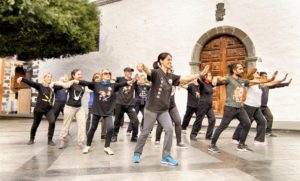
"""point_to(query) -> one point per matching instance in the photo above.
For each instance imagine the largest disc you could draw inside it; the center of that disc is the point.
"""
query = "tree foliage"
(39, 29)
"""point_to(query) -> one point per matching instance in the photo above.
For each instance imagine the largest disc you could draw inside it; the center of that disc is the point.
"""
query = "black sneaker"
(114, 139)
(193, 138)
(213, 148)
(30, 142)
(243, 147)
(133, 139)
(103, 137)
(51, 143)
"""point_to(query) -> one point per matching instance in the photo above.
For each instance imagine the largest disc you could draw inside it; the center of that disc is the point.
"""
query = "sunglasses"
(106, 73)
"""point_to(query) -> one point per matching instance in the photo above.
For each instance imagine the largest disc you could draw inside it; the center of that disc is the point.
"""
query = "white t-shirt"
(254, 94)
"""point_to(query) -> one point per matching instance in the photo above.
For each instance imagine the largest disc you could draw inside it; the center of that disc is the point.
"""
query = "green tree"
(39, 29)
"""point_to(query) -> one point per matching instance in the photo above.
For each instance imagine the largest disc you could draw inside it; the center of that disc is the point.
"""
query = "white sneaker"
(108, 151)
(157, 143)
(86, 149)
(183, 131)
(235, 142)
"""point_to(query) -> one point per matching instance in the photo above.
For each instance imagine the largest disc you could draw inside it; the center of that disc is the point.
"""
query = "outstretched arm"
(29, 82)
(186, 79)
(275, 82)
(258, 81)
(90, 85)
(65, 85)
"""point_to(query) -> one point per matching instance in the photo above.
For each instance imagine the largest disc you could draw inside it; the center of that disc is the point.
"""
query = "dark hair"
(73, 73)
(160, 57)
(262, 73)
(232, 67)
(95, 75)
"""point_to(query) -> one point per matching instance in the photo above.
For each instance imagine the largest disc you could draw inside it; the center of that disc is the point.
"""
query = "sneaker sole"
(242, 150)
(214, 151)
(167, 163)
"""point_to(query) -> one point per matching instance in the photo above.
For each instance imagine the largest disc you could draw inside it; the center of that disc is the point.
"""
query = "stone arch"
(223, 30)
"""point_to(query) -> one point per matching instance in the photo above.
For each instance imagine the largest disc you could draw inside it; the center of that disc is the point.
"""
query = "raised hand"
(290, 81)
(285, 77)
(274, 75)
(19, 80)
(204, 71)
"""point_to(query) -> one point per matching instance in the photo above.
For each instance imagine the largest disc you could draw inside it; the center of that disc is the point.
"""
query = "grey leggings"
(149, 119)
(173, 111)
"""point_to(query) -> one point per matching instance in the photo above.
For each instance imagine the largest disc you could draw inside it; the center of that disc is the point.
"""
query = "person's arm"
(90, 85)
(146, 70)
(281, 85)
(119, 85)
(218, 81)
(29, 82)
(65, 85)
(258, 81)
(275, 82)
(186, 79)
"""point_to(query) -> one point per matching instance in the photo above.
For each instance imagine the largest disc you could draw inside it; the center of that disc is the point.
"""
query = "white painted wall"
(136, 31)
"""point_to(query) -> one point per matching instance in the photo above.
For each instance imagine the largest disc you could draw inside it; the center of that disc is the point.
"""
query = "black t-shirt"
(75, 95)
(141, 93)
(206, 92)
(193, 95)
(61, 95)
(161, 88)
(126, 93)
(45, 95)
(104, 96)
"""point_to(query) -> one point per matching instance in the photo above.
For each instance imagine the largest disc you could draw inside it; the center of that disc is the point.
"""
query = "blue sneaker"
(169, 161)
(61, 145)
(136, 158)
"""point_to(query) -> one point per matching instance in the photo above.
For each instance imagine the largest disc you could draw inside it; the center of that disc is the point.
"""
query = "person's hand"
(290, 81)
(19, 80)
(274, 75)
(204, 71)
(285, 77)
(75, 81)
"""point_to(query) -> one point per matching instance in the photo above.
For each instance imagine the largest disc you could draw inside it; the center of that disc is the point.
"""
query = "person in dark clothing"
(204, 108)
(264, 100)
(192, 103)
(158, 104)
(233, 108)
(96, 78)
(44, 105)
(142, 88)
(61, 97)
(125, 104)
(103, 106)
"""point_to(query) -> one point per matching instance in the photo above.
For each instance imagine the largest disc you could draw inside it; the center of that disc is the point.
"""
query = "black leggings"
(174, 114)
(204, 109)
(254, 113)
(94, 125)
(58, 108)
(229, 114)
(138, 107)
(37, 117)
(187, 116)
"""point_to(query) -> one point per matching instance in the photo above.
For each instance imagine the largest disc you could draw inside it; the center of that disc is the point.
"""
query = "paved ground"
(279, 160)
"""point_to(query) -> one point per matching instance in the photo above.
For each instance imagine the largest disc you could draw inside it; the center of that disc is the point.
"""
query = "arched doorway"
(219, 47)
(218, 53)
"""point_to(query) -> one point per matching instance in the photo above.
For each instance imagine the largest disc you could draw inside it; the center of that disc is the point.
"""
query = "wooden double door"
(218, 53)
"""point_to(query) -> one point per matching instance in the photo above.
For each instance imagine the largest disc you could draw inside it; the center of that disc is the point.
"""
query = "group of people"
(152, 92)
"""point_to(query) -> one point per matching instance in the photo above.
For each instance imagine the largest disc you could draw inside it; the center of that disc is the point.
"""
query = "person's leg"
(261, 126)
(103, 128)
(94, 123)
(211, 123)
(187, 117)
(229, 114)
(174, 114)
(51, 119)
(201, 111)
(243, 117)
(119, 114)
(108, 121)
(150, 118)
(68, 116)
(159, 130)
(166, 122)
(88, 120)
(56, 108)
(137, 109)
(37, 117)
(269, 117)
(237, 133)
(81, 125)
(142, 110)
(134, 120)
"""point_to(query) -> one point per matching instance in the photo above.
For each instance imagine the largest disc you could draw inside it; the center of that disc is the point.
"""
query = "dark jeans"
(94, 124)
(269, 117)
(138, 107)
(254, 113)
(229, 114)
(129, 109)
(204, 109)
(37, 117)
(187, 116)
(58, 108)
(175, 117)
